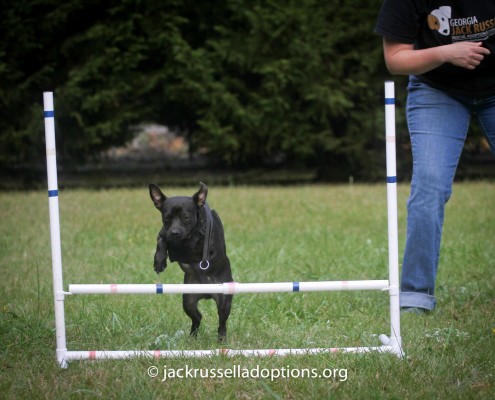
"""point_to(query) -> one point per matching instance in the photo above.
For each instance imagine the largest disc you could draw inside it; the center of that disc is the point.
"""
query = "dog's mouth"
(175, 238)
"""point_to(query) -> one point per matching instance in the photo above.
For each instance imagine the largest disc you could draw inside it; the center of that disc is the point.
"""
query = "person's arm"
(403, 59)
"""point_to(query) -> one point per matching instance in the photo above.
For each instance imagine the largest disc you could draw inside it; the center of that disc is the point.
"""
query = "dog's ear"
(200, 196)
(157, 196)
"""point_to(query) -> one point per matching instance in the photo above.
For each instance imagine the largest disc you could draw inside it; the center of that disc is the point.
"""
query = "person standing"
(447, 47)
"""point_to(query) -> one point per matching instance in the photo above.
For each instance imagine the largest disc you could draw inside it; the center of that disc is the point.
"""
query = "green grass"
(298, 233)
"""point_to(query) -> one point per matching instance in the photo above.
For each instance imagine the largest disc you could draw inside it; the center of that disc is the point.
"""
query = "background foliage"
(251, 83)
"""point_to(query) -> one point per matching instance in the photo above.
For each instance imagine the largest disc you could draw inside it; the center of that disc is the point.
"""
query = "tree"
(252, 82)
(299, 82)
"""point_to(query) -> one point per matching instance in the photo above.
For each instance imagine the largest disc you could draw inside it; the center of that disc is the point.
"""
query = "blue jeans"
(438, 125)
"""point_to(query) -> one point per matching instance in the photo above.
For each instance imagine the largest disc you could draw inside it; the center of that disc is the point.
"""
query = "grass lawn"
(300, 233)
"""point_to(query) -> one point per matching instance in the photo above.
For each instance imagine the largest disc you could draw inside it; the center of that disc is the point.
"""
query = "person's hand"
(404, 59)
(464, 54)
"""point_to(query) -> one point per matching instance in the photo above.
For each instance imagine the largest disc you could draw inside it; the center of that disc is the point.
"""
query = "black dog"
(193, 236)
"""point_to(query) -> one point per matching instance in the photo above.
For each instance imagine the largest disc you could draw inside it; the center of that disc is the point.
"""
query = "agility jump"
(390, 344)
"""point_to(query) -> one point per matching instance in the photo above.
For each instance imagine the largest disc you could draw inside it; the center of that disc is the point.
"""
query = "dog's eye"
(185, 218)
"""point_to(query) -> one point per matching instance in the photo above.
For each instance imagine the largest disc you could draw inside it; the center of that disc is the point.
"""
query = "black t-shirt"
(431, 23)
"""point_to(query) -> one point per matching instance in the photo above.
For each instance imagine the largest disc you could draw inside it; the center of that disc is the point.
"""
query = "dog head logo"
(439, 20)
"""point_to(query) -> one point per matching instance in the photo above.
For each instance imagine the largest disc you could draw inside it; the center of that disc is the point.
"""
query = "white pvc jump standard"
(58, 289)
(390, 344)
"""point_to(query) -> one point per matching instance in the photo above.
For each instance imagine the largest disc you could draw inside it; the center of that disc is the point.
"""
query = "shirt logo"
(460, 29)
(438, 20)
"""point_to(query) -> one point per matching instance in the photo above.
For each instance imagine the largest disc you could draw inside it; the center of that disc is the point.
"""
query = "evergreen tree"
(252, 82)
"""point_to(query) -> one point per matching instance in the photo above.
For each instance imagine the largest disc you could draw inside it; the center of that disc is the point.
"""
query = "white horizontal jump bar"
(126, 354)
(228, 287)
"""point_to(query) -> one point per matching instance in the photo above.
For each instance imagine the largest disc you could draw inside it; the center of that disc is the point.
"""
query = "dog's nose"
(175, 232)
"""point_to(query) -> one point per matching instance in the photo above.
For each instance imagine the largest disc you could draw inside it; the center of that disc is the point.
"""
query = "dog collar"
(204, 264)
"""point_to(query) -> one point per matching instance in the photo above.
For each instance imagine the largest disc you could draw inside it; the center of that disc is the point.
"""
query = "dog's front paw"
(159, 266)
(160, 259)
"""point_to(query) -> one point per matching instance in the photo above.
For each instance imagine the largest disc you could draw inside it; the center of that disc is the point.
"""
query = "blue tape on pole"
(49, 114)
(295, 286)
(390, 100)
(159, 288)
(391, 179)
(52, 193)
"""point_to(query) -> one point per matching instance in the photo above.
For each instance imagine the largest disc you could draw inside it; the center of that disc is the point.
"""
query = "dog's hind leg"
(224, 303)
(190, 305)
